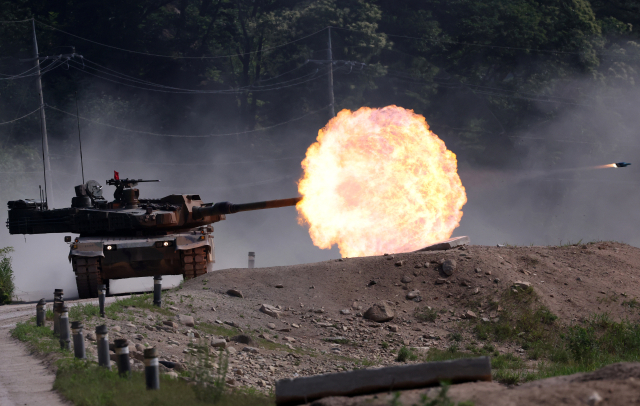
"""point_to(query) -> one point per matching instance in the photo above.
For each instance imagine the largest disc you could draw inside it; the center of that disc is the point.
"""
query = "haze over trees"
(484, 73)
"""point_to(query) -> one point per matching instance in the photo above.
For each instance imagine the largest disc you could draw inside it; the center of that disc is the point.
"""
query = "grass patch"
(117, 309)
(40, 339)
(218, 329)
(81, 311)
(426, 313)
(406, 354)
(86, 384)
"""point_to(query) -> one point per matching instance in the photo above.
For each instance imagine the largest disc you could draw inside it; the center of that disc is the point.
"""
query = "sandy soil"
(320, 328)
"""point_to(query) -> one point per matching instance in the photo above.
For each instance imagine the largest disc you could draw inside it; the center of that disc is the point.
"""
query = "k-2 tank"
(131, 237)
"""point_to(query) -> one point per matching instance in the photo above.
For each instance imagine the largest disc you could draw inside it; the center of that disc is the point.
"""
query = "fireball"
(376, 181)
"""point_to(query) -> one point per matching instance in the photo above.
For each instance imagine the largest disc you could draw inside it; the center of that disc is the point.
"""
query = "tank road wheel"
(194, 262)
(88, 276)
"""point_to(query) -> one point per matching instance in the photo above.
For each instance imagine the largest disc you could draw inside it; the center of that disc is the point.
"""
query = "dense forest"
(178, 79)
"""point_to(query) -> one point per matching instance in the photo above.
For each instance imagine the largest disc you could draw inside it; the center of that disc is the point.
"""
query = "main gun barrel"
(230, 208)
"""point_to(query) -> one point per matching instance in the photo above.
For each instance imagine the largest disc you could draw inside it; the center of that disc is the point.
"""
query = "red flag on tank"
(116, 176)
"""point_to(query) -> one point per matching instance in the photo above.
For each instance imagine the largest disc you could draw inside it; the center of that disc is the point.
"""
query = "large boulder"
(379, 312)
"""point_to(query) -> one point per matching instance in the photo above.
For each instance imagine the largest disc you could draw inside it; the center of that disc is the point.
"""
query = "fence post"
(122, 357)
(78, 339)
(40, 313)
(151, 372)
(103, 346)
(65, 342)
(102, 291)
(157, 290)
(252, 259)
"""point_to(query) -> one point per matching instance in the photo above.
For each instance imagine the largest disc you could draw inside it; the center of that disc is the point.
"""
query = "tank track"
(194, 262)
(88, 276)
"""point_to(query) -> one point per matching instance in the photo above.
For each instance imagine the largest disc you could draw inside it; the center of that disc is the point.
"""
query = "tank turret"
(131, 236)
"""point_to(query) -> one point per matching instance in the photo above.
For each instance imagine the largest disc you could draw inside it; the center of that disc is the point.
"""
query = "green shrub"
(426, 314)
(405, 354)
(7, 286)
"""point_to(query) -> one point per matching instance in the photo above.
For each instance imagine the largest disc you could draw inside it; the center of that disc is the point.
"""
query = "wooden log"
(446, 244)
(367, 381)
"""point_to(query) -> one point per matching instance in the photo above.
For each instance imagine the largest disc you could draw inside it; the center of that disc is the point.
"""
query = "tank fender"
(87, 249)
(189, 242)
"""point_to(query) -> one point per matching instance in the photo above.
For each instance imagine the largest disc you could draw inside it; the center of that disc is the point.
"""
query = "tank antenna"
(79, 138)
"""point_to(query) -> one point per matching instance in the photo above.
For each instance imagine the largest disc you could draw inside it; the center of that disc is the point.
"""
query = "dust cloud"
(523, 200)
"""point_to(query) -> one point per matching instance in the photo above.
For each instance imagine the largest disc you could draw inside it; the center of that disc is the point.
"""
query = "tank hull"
(97, 259)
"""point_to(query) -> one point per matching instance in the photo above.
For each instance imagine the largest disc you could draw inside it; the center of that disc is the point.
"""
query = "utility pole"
(330, 67)
(43, 123)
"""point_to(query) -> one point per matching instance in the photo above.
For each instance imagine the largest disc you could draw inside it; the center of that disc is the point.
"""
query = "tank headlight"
(166, 243)
(109, 247)
(74, 246)
(202, 237)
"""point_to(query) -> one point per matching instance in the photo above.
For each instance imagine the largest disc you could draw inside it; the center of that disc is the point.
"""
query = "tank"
(131, 237)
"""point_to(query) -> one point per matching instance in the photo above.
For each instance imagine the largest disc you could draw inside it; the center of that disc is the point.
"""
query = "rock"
(289, 339)
(379, 312)
(138, 337)
(235, 293)
(252, 350)
(113, 357)
(170, 323)
(179, 366)
(139, 347)
(440, 281)
(218, 343)
(130, 325)
(272, 326)
(242, 339)
(371, 283)
(91, 336)
(393, 328)
(449, 266)
(486, 320)
(270, 310)
(231, 323)
(400, 263)
(295, 325)
(136, 355)
(150, 328)
(594, 399)
(172, 375)
(175, 309)
(521, 284)
(496, 280)
(476, 291)
(487, 272)
(413, 294)
(116, 328)
(186, 320)
(469, 315)
(196, 335)
(279, 286)
(465, 283)
(406, 279)
(345, 312)
(232, 350)
(478, 270)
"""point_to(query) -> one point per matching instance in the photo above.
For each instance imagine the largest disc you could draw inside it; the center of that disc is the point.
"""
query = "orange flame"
(379, 181)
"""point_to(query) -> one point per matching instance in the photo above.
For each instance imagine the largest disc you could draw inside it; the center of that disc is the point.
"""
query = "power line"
(179, 57)
(252, 89)
(188, 136)
(14, 21)
(20, 118)
(170, 89)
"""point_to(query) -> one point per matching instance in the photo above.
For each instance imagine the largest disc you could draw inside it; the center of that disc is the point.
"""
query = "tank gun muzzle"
(230, 208)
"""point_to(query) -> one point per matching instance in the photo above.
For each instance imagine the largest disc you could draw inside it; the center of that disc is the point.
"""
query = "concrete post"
(122, 357)
(151, 369)
(103, 346)
(78, 339)
(57, 309)
(40, 313)
(157, 290)
(252, 259)
(102, 292)
(65, 333)
(58, 296)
